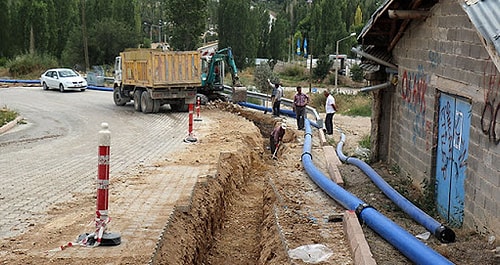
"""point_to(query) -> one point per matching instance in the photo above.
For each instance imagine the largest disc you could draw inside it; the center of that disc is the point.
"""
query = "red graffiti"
(413, 87)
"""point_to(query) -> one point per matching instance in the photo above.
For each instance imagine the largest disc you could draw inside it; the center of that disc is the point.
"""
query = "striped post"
(190, 137)
(102, 217)
(198, 107)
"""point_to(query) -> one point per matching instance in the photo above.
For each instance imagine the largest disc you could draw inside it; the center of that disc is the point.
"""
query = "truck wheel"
(117, 97)
(156, 105)
(137, 100)
(146, 102)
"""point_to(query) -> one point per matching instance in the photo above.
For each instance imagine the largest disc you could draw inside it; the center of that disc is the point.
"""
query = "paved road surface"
(54, 155)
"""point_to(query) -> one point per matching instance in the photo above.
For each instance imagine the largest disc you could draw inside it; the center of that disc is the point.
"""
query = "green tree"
(264, 33)
(238, 28)
(188, 23)
(4, 30)
(278, 39)
(61, 25)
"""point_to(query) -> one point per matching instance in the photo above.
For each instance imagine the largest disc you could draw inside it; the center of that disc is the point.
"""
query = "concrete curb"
(10, 124)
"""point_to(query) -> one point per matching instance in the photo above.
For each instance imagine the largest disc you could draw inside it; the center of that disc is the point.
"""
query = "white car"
(63, 79)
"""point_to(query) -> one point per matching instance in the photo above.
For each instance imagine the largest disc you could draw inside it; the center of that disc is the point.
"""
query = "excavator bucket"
(239, 94)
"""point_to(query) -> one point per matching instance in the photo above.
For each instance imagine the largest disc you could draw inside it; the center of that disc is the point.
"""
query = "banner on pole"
(298, 46)
(305, 48)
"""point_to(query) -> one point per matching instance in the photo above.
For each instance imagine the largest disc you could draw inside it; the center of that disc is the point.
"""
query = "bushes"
(357, 73)
(27, 64)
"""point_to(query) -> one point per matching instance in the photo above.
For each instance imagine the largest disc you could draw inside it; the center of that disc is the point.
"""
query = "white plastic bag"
(314, 253)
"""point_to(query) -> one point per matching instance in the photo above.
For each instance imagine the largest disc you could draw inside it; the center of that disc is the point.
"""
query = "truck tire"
(118, 98)
(146, 102)
(137, 100)
(156, 105)
(179, 106)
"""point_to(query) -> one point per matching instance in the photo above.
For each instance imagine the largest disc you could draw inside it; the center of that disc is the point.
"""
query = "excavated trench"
(231, 218)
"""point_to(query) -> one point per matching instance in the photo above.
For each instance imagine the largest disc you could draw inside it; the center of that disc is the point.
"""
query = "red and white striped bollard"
(190, 138)
(198, 107)
(102, 217)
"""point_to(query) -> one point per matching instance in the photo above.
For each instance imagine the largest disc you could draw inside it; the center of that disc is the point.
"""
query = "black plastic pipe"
(405, 242)
(440, 231)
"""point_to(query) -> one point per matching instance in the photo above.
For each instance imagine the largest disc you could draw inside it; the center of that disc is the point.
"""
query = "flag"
(305, 48)
(298, 46)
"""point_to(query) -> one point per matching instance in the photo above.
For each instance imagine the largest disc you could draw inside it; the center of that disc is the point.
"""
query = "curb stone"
(10, 124)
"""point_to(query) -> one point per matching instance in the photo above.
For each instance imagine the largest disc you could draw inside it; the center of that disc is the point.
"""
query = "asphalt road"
(54, 154)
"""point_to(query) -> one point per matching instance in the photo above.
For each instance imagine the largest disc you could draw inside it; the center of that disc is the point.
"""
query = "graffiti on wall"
(434, 59)
(490, 117)
(413, 88)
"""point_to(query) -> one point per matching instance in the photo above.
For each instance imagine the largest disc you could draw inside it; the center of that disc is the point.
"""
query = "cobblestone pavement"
(54, 154)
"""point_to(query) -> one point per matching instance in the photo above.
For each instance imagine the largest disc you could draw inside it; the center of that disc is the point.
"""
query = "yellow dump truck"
(152, 78)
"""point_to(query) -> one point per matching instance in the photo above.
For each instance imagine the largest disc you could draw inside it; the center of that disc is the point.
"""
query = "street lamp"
(337, 57)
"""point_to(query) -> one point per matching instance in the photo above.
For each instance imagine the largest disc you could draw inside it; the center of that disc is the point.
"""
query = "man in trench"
(276, 138)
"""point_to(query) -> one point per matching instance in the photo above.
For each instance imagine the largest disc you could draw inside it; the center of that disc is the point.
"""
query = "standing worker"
(330, 109)
(276, 97)
(276, 137)
(300, 101)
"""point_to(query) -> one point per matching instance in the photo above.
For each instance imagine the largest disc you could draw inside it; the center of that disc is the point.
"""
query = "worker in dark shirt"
(300, 101)
(276, 137)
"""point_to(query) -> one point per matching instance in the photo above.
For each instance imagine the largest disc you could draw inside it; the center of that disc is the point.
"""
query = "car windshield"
(67, 73)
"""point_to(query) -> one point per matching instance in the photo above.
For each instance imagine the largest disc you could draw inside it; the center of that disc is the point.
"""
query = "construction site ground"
(244, 207)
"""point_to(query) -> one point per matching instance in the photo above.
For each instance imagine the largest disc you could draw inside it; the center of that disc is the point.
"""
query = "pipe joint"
(305, 153)
(308, 133)
(445, 234)
(361, 207)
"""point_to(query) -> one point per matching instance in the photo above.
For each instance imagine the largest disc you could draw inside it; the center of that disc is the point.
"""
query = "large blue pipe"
(442, 232)
(101, 88)
(20, 81)
(405, 242)
(287, 112)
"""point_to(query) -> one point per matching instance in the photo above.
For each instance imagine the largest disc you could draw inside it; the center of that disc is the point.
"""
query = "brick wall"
(444, 54)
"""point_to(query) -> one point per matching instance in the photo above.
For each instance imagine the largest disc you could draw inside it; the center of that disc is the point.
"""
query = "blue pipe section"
(100, 88)
(20, 81)
(289, 113)
(440, 231)
(405, 242)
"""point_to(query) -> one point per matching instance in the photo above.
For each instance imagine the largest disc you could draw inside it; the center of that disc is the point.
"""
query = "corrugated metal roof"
(485, 15)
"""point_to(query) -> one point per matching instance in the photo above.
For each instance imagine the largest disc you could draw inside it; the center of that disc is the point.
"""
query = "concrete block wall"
(444, 53)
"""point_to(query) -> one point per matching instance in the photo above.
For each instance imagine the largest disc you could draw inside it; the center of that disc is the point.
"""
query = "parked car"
(63, 79)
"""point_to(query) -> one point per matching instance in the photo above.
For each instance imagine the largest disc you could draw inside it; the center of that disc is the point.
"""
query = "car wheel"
(146, 102)
(137, 100)
(45, 87)
(82, 89)
(61, 88)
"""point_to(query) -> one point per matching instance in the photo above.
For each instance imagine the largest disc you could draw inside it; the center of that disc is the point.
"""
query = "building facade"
(438, 118)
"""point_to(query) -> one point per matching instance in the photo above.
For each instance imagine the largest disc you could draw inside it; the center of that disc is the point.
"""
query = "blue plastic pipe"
(101, 88)
(440, 231)
(286, 112)
(20, 81)
(405, 242)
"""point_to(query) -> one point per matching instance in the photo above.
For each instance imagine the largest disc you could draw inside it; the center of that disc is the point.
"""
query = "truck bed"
(159, 69)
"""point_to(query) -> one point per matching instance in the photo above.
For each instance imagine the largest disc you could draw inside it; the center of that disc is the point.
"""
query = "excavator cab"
(213, 72)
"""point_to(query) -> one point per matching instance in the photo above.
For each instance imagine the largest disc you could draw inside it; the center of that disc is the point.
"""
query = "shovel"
(276, 150)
